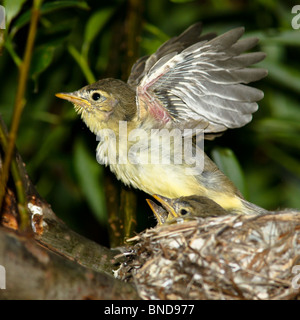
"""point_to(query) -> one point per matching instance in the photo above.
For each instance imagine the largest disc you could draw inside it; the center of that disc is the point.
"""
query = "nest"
(229, 257)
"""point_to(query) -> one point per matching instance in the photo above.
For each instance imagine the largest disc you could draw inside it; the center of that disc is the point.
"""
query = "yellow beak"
(160, 213)
(167, 204)
(72, 97)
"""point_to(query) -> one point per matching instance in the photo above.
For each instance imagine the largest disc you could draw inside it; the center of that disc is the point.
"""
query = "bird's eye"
(96, 96)
(183, 212)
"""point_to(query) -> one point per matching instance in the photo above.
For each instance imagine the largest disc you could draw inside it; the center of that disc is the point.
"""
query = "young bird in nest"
(191, 81)
(185, 208)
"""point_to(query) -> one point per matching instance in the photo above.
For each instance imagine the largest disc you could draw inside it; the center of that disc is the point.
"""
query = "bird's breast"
(146, 168)
(133, 165)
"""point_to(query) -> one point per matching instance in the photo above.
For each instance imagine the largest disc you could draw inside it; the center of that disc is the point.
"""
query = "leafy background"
(80, 41)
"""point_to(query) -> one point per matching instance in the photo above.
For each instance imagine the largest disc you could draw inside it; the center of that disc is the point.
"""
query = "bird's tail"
(251, 208)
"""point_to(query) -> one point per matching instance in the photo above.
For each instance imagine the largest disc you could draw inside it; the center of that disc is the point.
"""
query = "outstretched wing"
(206, 80)
(176, 44)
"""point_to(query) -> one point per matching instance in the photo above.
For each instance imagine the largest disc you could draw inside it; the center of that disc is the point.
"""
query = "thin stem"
(82, 64)
(9, 47)
(19, 104)
(122, 220)
(20, 190)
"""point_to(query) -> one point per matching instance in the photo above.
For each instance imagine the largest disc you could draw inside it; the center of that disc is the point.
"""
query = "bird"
(185, 208)
(193, 88)
(161, 214)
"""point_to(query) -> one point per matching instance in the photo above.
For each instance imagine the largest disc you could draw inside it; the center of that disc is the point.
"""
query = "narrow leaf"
(46, 8)
(94, 25)
(227, 162)
(12, 9)
(41, 59)
(90, 177)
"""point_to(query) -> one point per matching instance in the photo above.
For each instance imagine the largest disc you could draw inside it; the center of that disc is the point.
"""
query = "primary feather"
(193, 77)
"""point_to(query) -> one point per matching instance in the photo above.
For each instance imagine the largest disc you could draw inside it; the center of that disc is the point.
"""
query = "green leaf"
(56, 5)
(12, 9)
(156, 32)
(229, 165)
(291, 163)
(41, 59)
(46, 8)
(50, 143)
(288, 76)
(290, 37)
(274, 125)
(10, 48)
(90, 177)
(83, 64)
(282, 105)
(94, 25)
(151, 44)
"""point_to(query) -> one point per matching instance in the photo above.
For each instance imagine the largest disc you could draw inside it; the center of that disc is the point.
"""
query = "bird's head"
(184, 207)
(171, 209)
(178, 207)
(103, 104)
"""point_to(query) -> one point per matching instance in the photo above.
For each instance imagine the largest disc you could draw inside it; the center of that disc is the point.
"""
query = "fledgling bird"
(190, 81)
(185, 208)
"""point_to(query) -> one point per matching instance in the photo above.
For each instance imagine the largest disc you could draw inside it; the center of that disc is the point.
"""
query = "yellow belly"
(172, 183)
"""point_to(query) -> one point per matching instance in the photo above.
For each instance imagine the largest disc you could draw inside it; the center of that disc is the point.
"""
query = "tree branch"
(32, 272)
(18, 108)
(52, 261)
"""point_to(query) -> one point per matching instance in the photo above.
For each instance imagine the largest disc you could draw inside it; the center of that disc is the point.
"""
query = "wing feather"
(200, 78)
(176, 44)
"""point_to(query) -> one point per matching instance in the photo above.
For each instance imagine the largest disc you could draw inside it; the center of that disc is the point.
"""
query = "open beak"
(167, 204)
(73, 97)
(160, 213)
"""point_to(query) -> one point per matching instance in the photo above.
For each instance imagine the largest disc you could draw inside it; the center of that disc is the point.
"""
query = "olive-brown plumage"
(185, 208)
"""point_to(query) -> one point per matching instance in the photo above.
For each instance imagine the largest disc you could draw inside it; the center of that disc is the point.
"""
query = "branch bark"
(51, 261)
(33, 272)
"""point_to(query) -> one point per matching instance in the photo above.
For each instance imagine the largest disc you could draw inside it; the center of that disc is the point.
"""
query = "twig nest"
(228, 257)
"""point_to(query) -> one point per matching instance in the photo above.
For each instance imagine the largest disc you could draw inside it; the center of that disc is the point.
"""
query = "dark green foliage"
(80, 41)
